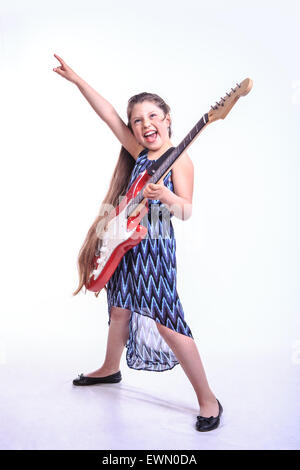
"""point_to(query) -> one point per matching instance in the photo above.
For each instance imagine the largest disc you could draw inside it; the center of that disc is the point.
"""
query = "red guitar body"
(123, 233)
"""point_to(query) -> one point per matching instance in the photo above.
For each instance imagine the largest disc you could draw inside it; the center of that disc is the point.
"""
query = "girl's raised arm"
(103, 108)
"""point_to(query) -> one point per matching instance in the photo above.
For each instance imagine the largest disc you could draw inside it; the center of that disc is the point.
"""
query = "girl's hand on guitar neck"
(154, 191)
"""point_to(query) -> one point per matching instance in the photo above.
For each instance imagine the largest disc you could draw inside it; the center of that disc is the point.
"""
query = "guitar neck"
(160, 167)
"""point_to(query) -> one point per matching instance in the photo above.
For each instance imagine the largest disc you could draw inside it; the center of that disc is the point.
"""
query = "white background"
(237, 257)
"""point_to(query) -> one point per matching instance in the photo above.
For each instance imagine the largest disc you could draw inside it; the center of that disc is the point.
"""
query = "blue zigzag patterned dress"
(145, 283)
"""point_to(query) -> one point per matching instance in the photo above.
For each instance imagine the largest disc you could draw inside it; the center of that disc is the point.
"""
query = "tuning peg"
(239, 85)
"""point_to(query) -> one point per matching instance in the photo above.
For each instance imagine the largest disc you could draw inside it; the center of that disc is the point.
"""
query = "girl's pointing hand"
(154, 191)
(65, 71)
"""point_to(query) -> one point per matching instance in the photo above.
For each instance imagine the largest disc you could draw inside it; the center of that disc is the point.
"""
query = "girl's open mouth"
(152, 137)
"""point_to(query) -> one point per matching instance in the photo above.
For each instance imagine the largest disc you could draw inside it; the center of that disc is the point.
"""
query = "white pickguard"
(115, 234)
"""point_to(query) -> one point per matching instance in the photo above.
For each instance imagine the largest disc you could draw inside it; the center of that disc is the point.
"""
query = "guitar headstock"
(222, 108)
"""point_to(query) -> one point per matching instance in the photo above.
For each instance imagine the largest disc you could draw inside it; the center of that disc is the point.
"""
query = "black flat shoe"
(109, 379)
(208, 424)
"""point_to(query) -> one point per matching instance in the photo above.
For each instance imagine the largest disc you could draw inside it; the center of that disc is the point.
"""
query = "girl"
(144, 310)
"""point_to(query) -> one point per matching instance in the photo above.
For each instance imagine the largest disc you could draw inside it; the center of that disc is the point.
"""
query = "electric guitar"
(122, 229)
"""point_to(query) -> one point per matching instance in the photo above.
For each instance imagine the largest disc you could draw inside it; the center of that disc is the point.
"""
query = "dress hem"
(127, 345)
(153, 370)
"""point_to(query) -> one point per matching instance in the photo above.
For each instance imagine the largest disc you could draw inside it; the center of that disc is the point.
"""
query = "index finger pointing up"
(59, 58)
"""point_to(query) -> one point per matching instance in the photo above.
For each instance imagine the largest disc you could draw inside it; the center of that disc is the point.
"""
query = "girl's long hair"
(117, 188)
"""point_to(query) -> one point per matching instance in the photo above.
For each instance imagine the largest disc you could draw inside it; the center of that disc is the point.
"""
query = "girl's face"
(147, 117)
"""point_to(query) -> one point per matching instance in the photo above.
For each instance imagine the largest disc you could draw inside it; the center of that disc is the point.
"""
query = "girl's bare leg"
(118, 334)
(186, 351)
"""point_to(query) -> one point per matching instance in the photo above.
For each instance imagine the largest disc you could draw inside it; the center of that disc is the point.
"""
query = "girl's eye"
(136, 120)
